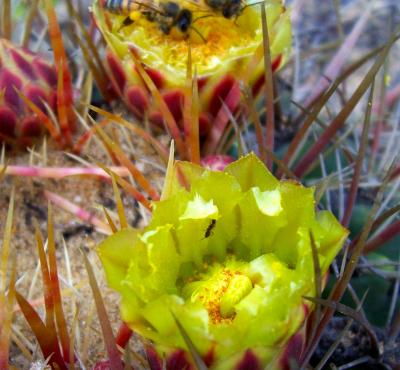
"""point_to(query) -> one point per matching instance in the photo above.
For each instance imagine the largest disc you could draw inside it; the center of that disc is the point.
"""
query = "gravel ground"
(31, 206)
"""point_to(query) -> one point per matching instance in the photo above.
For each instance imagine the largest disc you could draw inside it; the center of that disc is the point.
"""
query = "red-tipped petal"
(209, 358)
(123, 335)
(220, 92)
(293, 350)
(153, 358)
(249, 362)
(179, 361)
(137, 98)
(118, 74)
(201, 83)
(174, 100)
(156, 77)
(204, 124)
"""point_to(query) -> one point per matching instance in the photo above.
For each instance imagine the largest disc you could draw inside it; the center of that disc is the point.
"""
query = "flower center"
(220, 292)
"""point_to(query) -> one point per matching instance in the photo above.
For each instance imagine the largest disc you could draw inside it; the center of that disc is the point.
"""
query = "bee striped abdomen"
(120, 6)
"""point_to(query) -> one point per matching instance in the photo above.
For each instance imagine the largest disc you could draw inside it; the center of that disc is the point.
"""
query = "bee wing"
(253, 2)
(146, 4)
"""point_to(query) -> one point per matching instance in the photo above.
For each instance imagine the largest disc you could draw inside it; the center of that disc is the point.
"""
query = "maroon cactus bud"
(8, 122)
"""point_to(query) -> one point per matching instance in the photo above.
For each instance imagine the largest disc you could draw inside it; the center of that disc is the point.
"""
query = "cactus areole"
(228, 255)
(225, 54)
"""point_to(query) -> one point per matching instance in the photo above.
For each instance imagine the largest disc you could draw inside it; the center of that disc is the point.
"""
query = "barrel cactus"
(22, 71)
(227, 257)
(226, 54)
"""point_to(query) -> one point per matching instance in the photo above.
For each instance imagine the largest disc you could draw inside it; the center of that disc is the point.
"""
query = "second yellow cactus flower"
(220, 51)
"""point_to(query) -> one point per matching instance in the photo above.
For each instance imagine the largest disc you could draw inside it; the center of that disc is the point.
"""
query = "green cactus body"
(237, 289)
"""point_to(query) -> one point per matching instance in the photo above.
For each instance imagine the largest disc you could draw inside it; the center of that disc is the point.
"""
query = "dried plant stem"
(77, 211)
(61, 172)
(336, 64)
(342, 284)
(109, 339)
(360, 157)
(341, 118)
(389, 233)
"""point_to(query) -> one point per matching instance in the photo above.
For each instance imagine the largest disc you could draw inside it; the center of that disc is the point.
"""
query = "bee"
(167, 14)
(172, 15)
(228, 8)
(120, 6)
